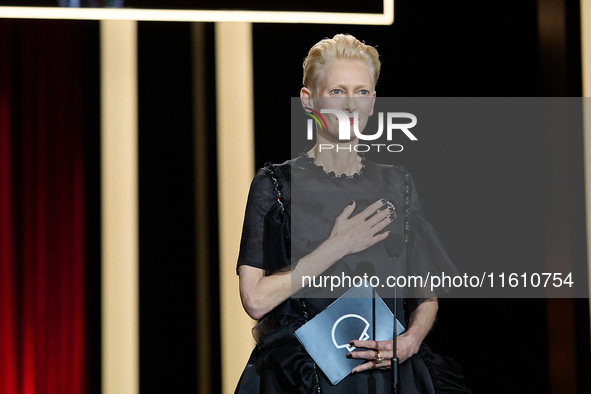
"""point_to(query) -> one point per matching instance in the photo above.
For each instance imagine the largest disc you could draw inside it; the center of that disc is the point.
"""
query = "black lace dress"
(281, 228)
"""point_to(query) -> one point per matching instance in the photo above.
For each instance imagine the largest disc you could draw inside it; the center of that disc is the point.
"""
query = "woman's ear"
(306, 98)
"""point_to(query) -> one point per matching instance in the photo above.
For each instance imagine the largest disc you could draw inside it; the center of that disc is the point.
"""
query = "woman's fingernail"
(351, 343)
(390, 217)
(391, 209)
(348, 355)
(351, 203)
(353, 372)
(383, 201)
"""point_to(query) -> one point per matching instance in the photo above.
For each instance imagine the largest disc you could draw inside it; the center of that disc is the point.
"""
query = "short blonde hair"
(340, 47)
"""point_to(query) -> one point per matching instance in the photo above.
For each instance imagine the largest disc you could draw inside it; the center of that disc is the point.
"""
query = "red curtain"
(42, 246)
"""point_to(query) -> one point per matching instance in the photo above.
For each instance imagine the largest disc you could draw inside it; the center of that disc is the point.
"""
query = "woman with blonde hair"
(349, 207)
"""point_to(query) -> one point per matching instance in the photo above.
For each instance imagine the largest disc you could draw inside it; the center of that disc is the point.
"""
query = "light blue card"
(326, 337)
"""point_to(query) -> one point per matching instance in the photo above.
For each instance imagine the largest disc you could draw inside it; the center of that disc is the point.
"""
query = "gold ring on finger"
(378, 359)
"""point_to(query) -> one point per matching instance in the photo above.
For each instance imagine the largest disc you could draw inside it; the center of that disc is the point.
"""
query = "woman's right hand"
(357, 233)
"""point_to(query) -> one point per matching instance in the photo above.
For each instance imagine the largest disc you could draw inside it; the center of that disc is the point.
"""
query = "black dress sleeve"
(261, 198)
(426, 255)
(266, 233)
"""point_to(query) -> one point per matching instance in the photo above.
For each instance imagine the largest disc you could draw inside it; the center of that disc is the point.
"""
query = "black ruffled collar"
(331, 174)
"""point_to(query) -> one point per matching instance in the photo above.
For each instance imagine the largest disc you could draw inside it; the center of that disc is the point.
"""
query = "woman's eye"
(336, 91)
(364, 92)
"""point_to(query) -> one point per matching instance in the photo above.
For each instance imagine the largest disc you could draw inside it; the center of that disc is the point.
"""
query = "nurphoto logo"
(345, 123)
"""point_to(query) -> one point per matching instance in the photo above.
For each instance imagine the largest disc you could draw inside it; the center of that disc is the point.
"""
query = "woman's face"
(347, 86)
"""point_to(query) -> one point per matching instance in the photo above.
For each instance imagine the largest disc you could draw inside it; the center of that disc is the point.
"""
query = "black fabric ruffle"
(446, 374)
(426, 254)
(427, 258)
(279, 363)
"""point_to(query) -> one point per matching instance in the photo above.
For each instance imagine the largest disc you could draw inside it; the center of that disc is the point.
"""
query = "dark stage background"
(434, 49)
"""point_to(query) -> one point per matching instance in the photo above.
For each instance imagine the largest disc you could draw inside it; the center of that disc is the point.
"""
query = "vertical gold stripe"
(202, 230)
(235, 171)
(120, 361)
(586, 71)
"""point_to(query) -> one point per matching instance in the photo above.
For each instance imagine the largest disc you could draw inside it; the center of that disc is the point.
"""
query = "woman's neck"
(337, 159)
